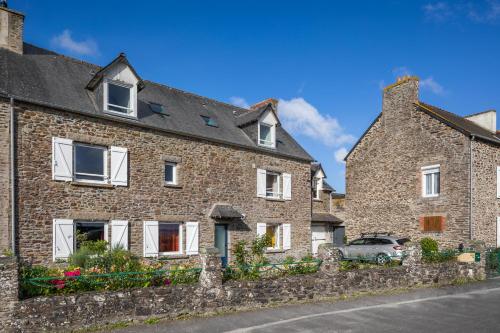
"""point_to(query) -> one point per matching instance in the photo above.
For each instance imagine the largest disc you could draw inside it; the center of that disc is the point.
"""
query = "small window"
(171, 173)
(431, 181)
(158, 108)
(432, 223)
(89, 231)
(273, 185)
(316, 183)
(90, 163)
(119, 98)
(170, 237)
(357, 242)
(272, 231)
(267, 135)
(209, 121)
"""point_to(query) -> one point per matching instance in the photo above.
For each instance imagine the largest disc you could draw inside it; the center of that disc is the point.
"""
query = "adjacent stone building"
(100, 152)
(421, 171)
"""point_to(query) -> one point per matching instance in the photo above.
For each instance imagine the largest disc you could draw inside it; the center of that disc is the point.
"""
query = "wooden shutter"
(433, 223)
(498, 181)
(150, 238)
(287, 236)
(261, 229)
(261, 183)
(119, 234)
(62, 238)
(62, 159)
(192, 236)
(119, 166)
(287, 186)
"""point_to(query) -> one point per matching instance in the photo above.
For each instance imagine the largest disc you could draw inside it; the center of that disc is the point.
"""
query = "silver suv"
(378, 247)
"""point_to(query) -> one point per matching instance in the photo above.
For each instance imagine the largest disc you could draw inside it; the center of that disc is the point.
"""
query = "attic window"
(119, 98)
(267, 135)
(157, 108)
(209, 121)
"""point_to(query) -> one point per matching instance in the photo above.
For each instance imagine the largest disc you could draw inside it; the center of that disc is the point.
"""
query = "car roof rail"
(375, 234)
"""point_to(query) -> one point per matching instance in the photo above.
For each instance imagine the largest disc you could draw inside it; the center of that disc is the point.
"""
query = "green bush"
(428, 245)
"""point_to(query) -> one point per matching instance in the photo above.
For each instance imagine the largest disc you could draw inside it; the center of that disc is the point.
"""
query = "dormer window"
(119, 98)
(267, 135)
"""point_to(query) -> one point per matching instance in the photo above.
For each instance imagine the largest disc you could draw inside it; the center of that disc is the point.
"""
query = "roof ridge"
(54, 53)
(478, 113)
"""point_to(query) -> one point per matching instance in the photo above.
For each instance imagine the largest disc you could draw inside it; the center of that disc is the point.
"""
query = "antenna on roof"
(3, 3)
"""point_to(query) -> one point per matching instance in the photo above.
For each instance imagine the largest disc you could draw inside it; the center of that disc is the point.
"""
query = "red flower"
(76, 272)
(59, 284)
(168, 282)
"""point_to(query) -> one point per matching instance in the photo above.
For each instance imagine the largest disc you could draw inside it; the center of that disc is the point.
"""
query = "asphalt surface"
(468, 308)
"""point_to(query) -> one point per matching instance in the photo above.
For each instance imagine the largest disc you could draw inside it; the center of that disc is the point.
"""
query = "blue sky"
(325, 60)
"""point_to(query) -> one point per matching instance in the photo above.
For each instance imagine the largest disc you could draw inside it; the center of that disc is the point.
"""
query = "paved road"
(469, 308)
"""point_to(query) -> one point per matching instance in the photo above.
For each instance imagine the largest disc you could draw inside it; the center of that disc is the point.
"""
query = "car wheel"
(382, 259)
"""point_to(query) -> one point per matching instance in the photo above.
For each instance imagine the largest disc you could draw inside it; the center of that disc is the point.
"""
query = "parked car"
(378, 247)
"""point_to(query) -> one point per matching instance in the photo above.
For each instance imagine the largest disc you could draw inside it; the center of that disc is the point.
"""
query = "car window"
(357, 242)
(371, 241)
(402, 241)
(383, 241)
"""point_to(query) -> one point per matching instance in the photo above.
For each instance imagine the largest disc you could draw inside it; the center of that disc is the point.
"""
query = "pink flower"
(59, 284)
(168, 282)
(76, 272)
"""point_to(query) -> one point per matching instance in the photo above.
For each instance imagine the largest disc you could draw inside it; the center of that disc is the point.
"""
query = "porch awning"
(326, 217)
(225, 212)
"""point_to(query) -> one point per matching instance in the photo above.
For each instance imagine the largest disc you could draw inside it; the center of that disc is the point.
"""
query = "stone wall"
(9, 287)
(485, 204)
(4, 177)
(210, 173)
(210, 295)
(11, 30)
(383, 173)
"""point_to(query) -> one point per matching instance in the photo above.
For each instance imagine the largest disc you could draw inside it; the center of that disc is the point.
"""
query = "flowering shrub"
(101, 269)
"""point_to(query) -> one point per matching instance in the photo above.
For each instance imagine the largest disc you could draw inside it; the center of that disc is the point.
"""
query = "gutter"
(12, 175)
(472, 138)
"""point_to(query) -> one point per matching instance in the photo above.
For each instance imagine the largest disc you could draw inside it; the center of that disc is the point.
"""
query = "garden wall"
(211, 295)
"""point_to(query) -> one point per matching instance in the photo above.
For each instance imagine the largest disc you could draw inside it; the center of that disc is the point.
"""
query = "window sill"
(172, 185)
(274, 199)
(317, 200)
(172, 256)
(275, 251)
(119, 114)
(98, 185)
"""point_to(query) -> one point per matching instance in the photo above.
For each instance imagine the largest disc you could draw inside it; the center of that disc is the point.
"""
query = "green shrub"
(428, 245)
(439, 256)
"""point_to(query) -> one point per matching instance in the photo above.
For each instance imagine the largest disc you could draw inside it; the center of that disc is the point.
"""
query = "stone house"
(101, 152)
(327, 226)
(421, 171)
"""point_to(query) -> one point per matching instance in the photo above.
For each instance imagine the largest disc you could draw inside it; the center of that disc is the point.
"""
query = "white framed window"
(273, 185)
(267, 135)
(273, 232)
(431, 181)
(316, 188)
(171, 173)
(280, 235)
(119, 98)
(89, 231)
(90, 163)
(167, 238)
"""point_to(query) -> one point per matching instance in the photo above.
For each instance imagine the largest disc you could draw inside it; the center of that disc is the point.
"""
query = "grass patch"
(152, 321)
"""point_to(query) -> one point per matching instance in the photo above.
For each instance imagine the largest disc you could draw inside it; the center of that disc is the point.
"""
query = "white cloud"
(487, 12)
(239, 101)
(340, 154)
(66, 42)
(478, 11)
(301, 118)
(438, 12)
(401, 71)
(430, 84)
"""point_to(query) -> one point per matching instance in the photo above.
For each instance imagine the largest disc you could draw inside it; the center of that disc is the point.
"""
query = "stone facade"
(210, 173)
(9, 287)
(11, 30)
(97, 308)
(383, 173)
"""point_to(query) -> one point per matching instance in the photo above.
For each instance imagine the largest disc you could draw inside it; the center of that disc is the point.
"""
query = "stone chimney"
(398, 100)
(486, 119)
(11, 29)
(272, 101)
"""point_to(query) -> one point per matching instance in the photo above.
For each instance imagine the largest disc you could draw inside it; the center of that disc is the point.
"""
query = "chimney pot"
(272, 101)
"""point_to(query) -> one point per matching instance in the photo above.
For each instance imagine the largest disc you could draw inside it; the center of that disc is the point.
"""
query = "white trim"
(263, 143)
(274, 195)
(174, 173)
(181, 239)
(105, 165)
(498, 232)
(132, 110)
(277, 234)
(498, 181)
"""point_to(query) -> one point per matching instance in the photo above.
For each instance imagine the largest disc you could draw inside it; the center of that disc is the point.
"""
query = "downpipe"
(12, 175)
(470, 187)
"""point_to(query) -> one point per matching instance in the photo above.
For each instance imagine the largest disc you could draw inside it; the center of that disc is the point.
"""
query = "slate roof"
(49, 79)
(453, 120)
(325, 217)
(225, 212)
(338, 195)
(327, 186)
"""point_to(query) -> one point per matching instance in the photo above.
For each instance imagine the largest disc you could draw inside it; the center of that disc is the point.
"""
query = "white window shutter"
(119, 234)
(498, 181)
(287, 186)
(192, 236)
(119, 166)
(150, 238)
(261, 229)
(62, 159)
(287, 236)
(62, 238)
(261, 183)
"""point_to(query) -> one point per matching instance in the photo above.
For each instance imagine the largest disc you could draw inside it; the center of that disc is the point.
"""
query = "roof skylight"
(209, 121)
(157, 108)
